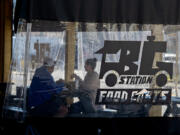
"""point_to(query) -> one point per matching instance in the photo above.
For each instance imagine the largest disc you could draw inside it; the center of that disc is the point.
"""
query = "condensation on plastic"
(90, 37)
(41, 45)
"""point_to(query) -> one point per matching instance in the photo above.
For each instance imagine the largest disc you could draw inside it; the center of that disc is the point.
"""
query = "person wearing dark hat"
(43, 91)
(87, 89)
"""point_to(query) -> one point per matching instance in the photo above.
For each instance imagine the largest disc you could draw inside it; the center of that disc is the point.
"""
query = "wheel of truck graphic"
(111, 78)
(161, 78)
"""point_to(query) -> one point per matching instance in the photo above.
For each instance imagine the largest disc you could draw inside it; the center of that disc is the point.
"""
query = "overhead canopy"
(102, 11)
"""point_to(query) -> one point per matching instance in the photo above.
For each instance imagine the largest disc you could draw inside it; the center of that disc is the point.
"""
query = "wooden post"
(157, 31)
(7, 39)
(70, 54)
(2, 16)
(5, 46)
(177, 66)
(70, 50)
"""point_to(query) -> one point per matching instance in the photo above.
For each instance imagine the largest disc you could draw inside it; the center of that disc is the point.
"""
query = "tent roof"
(102, 11)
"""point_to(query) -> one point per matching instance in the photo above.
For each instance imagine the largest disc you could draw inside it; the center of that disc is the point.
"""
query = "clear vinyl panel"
(103, 70)
(154, 79)
(30, 48)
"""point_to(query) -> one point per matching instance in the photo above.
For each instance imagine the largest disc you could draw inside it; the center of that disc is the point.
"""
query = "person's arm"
(60, 81)
(77, 78)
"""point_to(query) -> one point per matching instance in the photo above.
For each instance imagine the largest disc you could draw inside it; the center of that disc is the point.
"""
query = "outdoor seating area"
(100, 61)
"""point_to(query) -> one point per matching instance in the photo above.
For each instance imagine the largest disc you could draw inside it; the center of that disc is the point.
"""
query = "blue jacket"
(42, 87)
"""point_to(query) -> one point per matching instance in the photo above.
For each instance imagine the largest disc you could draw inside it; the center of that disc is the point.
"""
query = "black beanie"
(91, 62)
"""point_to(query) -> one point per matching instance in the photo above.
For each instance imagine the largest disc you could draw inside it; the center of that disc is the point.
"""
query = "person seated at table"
(43, 94)
(87, 90)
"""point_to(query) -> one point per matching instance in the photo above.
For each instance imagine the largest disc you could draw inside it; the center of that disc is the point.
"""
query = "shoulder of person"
(95, 74)
(42, 68)
(42, 72)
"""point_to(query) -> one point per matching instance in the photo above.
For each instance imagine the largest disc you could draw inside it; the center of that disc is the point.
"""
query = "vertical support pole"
(70, 50)
(7, 39)
(177, 65)
(70, 54)
(2, 89)
(2, 18)
(5, 46)
(26, 64)
(157, 31)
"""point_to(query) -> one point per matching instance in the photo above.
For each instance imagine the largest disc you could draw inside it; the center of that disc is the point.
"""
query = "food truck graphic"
(137, 65)
(127, 71)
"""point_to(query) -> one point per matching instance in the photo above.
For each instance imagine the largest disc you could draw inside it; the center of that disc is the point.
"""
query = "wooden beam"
(1, 39)
(157, 31)
(70, 54)
(177, 65)
(7, 39)
(70, 50)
